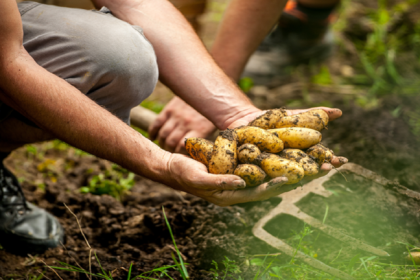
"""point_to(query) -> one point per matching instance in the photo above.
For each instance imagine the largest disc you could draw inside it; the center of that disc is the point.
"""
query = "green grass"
(273, 266)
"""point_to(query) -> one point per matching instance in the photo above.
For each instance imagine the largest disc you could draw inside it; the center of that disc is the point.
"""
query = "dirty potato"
(224, 157)
(309, 165)
(199, 149)
(314, 119)
(251, 174)
(320, 154)
(269, 118)
(275, 166)
(264, 140)
(297, 137)
(247, 153)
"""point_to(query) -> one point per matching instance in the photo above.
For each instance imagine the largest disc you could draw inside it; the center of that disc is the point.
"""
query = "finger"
(262, 192)
(157, 125)
(180, 148)
(326, 167)
(333, 113)
(165, 130)
(220, 182)
(177, 134)
(338, 161)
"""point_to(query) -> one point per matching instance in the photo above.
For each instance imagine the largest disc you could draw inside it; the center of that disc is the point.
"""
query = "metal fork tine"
(287, 206)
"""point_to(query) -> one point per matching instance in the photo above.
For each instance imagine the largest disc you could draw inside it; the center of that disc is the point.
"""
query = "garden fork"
(288, 206)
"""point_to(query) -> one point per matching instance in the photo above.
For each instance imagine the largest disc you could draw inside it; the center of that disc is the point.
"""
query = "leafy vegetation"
(115, 182)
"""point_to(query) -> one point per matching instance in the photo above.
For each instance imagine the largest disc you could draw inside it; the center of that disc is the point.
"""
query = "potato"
(320, 154)
(251, 174)
(224, 157)
(309, 165)
(297, 137)
(314, 119)
(276, 166)
(264, 140)
(247, 153)
(269, 118)
(199, 149)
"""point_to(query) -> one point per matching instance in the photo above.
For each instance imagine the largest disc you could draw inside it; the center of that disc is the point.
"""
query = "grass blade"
(181, 261)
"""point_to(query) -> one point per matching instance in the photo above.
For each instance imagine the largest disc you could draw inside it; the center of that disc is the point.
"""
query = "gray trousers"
(105, 58)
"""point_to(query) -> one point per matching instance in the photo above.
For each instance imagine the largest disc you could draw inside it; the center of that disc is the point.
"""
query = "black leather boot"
(24, 228)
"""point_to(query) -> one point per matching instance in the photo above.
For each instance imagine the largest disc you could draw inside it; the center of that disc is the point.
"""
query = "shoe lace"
(10, 187)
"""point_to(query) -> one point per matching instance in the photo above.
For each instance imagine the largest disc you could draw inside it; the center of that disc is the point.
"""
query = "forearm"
(57, 107)
(184, 63)
(244, 26)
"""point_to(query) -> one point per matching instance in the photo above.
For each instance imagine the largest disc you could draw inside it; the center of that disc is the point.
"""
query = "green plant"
(245, 84)
(115, 182)
(181, 265)
(231, 269)
(157, 272)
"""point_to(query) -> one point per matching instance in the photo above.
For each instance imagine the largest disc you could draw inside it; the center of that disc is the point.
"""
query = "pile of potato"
(274, 144)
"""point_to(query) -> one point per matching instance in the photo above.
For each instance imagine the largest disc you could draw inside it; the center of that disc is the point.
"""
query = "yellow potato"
(320, 154)
(309, 165)
(199, 149)
(315, 119)
(251, 174)
(276, 166)
(224, 157)
(297, 137)
(269, 118)
(264, 140)
(247, 153)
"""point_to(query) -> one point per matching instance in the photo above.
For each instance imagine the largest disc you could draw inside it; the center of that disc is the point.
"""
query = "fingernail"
(239, 183)
(276, 181)
(326, 167)
(343, 160)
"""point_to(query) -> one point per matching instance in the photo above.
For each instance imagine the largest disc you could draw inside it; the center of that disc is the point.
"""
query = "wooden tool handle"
(142, 117)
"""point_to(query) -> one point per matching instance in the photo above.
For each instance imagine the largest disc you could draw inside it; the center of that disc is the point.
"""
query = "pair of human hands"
(179, 121)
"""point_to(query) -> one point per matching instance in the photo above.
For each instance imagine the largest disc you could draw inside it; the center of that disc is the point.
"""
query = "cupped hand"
(191, 176)
(178, 121)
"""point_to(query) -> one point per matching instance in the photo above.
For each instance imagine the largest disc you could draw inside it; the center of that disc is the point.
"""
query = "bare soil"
(130, 231)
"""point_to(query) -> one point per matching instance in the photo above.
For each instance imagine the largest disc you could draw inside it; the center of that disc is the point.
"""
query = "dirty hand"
(333, 114)
(178, 121)
(191, 176)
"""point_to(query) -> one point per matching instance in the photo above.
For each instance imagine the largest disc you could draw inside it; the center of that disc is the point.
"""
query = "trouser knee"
(105, 58)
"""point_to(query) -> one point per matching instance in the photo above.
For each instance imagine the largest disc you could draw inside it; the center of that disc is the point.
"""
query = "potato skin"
(320, 154)
(251, 174)
(224, 157)
(269, 118)
(199, 149)
(314, 119)
(309, 165)
(248, 153)
(264, 140)
(297, 137)
(275, 166)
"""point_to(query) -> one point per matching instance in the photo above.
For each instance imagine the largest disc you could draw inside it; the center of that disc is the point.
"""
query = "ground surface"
(132, 230)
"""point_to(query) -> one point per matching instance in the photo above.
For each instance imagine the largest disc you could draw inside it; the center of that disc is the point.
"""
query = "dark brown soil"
(131, 231)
